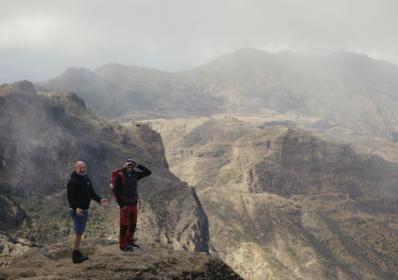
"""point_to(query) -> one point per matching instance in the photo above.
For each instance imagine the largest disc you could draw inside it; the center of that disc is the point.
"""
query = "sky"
(40, 39)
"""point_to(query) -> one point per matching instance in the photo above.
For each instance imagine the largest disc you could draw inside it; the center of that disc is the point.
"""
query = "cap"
(130, 161)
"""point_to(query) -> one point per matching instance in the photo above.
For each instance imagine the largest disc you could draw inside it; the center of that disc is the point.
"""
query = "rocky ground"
(108, 262)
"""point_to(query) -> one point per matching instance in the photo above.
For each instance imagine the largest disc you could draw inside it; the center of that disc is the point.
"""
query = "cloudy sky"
(39, 39)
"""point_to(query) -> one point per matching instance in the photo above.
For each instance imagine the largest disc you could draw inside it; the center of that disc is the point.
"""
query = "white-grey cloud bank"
(39, 39)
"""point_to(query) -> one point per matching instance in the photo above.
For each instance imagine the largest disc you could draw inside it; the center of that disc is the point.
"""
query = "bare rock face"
(108, 262)
(229, 153)
(47, 133)
(284, 204)
(300, 163)
(23, 87)
(10, 247)
(11, 215)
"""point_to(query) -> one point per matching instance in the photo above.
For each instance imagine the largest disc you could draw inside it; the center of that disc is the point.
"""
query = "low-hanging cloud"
(38, 39)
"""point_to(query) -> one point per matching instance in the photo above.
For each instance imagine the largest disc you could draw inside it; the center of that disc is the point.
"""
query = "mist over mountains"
(292, 158)
(45, 135)
(343, 89)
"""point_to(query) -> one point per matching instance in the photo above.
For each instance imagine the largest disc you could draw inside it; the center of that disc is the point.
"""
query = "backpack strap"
(116, 173)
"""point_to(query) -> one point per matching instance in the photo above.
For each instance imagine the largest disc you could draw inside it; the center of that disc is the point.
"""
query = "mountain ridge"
(283, 203)
(351, 90)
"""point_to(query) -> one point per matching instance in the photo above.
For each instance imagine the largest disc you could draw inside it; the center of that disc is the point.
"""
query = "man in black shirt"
(125, 189)
(80, 192)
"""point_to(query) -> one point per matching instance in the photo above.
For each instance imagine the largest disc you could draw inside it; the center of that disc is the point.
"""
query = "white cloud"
(25, 32)
(278, 47)
(180, 34)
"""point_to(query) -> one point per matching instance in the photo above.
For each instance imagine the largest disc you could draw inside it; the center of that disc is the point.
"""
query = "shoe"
(134, 245)
(127, 249)
(77, 257)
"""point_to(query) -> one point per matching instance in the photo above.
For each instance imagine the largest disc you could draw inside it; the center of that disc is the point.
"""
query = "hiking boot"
(134, 245)
(127, 249)
(77, 257)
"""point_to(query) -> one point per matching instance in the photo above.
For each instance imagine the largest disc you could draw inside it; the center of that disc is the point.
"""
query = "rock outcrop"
(108, 262)
(24, 87)
(11, 215)
(45, 134)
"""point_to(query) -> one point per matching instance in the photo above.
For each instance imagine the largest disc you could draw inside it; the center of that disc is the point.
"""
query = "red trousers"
(128, 224)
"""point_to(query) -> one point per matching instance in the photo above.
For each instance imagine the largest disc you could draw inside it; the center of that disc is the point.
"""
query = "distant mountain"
(130, 92)
(347, 89)
(102, 96)
(42, 137)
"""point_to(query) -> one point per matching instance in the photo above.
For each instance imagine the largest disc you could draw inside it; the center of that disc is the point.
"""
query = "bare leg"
(76, 242)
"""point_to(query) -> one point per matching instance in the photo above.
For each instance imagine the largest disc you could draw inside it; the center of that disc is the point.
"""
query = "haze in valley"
(271, 129)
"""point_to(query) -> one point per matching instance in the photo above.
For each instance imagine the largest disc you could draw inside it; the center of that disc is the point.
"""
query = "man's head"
(130, 164)
(80, 167)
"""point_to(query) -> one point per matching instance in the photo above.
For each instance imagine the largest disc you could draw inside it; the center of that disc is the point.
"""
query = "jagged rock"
(284, 204)
(23, 87)
(11, 248)
(47, 133)
(11, 215)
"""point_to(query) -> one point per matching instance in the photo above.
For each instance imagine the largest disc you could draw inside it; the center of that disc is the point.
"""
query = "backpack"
(116, 173)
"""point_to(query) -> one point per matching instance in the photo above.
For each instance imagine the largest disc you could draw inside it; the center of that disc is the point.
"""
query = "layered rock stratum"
(285, 204)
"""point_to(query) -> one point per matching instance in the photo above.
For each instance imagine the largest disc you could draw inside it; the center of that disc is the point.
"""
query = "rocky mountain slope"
(131, 92)
(45, 134)
(343, 89)
(107, 262)
(295, 167)
(284, 204)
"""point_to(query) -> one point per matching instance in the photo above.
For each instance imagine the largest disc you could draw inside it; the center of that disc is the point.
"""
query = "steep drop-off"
(42, 137)
(284, 204)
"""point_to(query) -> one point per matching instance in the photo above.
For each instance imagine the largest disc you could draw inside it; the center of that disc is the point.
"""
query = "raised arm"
(142, 171)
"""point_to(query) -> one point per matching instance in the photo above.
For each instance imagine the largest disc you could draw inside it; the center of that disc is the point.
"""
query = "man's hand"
(104, 202)
(79, 212)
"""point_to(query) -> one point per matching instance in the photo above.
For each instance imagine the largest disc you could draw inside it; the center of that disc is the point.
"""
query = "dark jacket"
(80, 191)
(126, 190)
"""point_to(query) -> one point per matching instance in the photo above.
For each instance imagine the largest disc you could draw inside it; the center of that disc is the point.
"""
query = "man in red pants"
(125, 186)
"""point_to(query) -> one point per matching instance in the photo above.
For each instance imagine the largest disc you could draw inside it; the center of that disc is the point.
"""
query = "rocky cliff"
(45, 134)
(284, 204)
